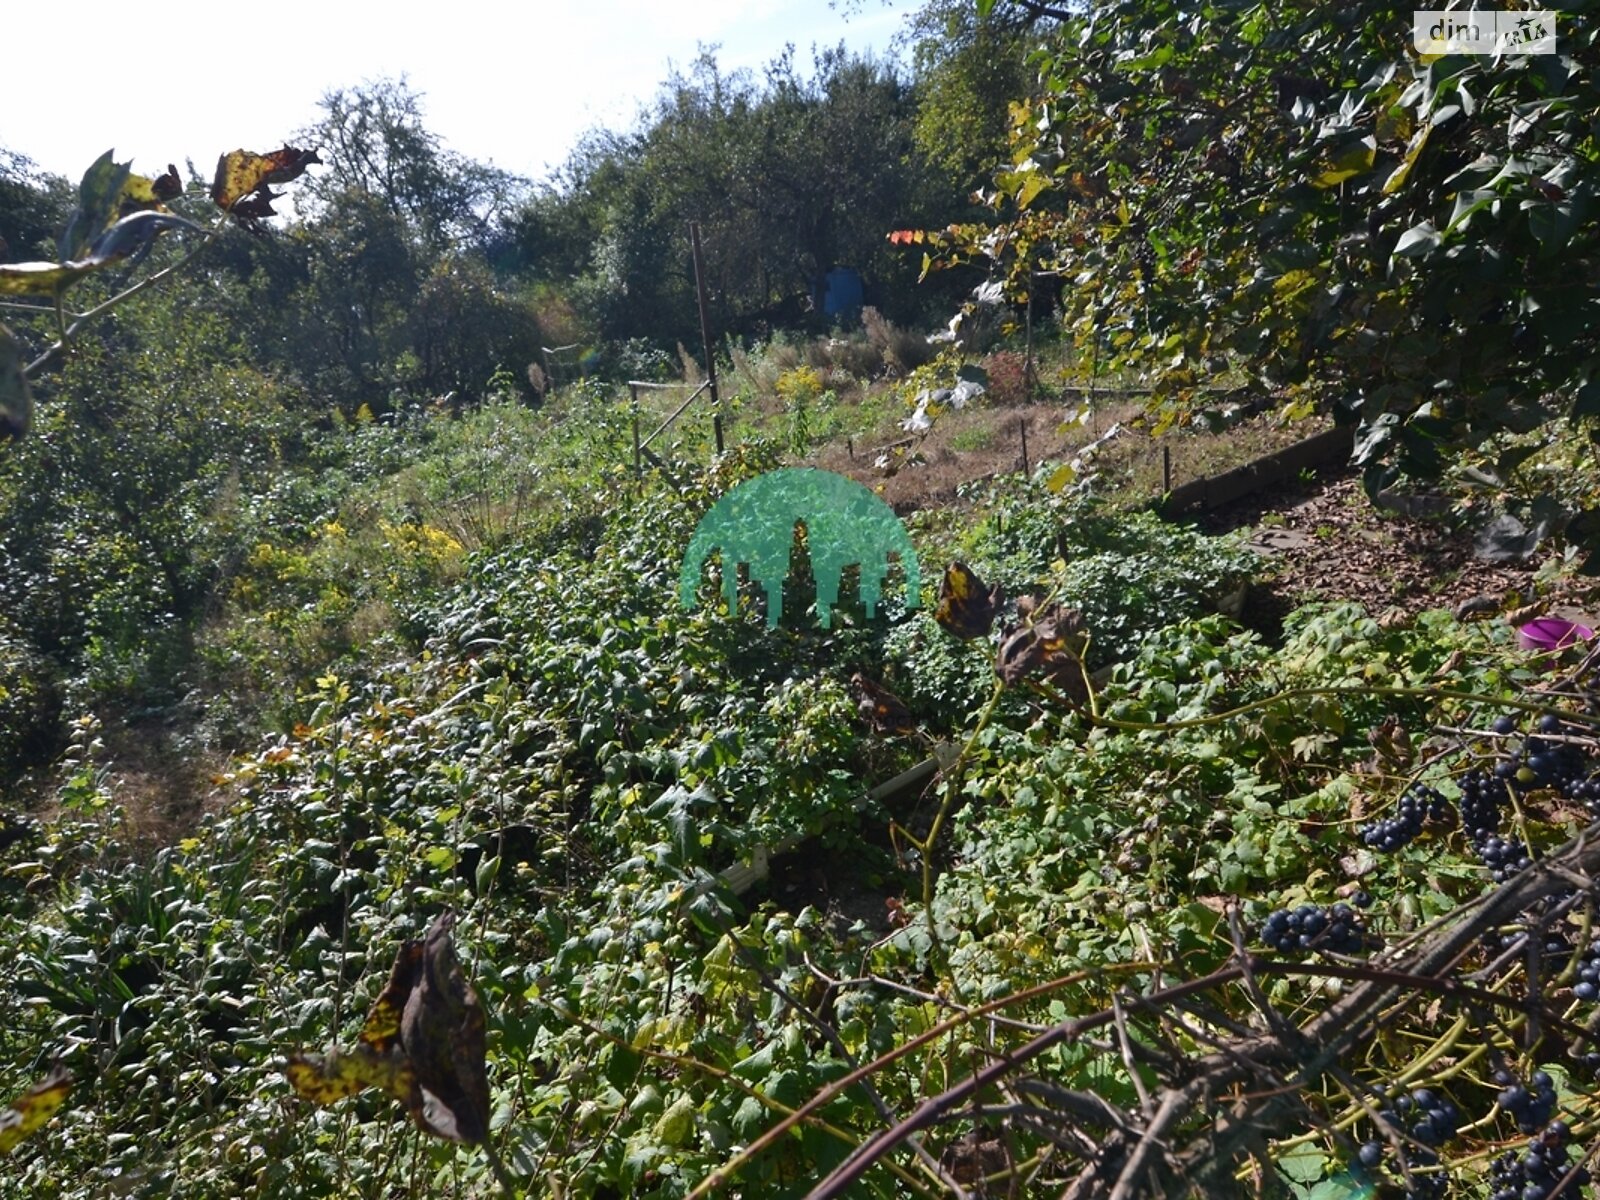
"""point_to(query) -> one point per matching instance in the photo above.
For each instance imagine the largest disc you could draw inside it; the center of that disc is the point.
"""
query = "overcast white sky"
(511, 84)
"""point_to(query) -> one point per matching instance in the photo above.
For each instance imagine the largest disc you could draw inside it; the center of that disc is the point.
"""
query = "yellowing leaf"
(33, 1108)
(331, 1077)
(241, 173)
(423, 1043)
(441, 857)
(1032, 185)
(1348, 161)
(967, 606)
(140, 193)
(381, 1031)
(1398, 176)
(1061, 477)
(675, 1125)
(39, 278)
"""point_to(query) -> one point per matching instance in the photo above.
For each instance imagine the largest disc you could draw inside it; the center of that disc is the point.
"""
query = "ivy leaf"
(1342, 1187)
(16, 401)
(1306, 1165)
(33, 1108)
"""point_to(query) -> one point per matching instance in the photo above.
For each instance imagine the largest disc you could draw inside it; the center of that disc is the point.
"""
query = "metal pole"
(1166, 469)
(1022, 424)
(705, 327)
(638, 460)
(1027, 370)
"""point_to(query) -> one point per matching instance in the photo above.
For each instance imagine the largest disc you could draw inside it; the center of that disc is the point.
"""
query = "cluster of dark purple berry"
(1587, 986)
(1425, 1179)
(1503, 856)
(1337, 929)
(1481, 797)
(1532, 1105)
(1419, 804)
(1536, 1172)
(1543, 760)
(1587, 793)
(1428, 1118)
(1431, 1120)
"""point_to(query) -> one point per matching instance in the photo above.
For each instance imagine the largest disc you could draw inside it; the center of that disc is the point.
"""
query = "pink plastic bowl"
(1551, 634)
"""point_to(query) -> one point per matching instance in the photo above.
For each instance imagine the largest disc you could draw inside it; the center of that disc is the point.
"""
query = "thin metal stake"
(705, 326)
(638, 459)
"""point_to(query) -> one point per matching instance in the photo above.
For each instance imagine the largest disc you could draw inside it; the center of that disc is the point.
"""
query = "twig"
(874, 1097)
(1318, 1046)
(502, 1176)
(71, 331)
(1125, 1043)
(1173, 1107)
(828, 1094)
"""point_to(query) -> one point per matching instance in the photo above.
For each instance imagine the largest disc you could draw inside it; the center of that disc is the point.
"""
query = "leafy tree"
(788, 174)
(968, 69)
(1292, 194)
(376, 147)
(465, 328)
(391, 255)
(33, 206)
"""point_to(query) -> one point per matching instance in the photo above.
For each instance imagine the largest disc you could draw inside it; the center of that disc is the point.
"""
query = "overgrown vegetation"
(1060, 884)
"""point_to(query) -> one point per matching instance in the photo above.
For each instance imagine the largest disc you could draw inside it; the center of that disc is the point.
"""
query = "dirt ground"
(985, 441)
(1325, 540)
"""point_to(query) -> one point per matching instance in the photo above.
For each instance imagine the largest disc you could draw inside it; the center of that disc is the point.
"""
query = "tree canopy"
(1294, 194)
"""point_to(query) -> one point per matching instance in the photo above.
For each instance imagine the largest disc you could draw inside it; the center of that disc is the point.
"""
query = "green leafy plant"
(1372, 232)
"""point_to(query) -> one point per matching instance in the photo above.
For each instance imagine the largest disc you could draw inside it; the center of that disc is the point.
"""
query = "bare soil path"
(1326, 540)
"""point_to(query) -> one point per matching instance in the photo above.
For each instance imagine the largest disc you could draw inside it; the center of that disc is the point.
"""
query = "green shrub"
(30, 705)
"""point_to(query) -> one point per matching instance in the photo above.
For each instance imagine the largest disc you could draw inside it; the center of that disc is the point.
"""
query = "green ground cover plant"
(572, 760)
